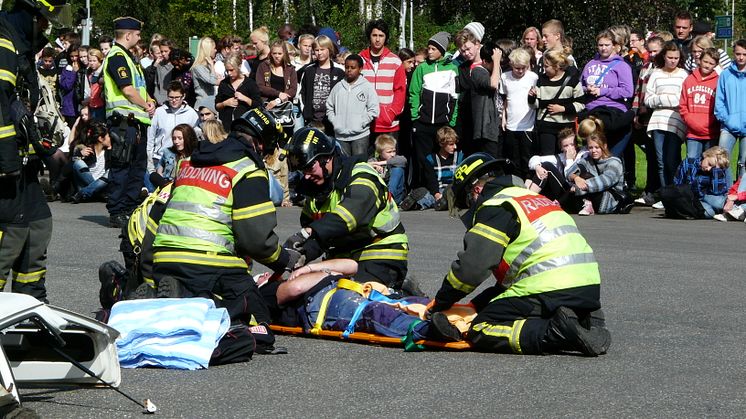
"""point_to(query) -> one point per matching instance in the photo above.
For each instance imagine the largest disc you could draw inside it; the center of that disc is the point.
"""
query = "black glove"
(296, 241)
(295, 260)
(312, 249)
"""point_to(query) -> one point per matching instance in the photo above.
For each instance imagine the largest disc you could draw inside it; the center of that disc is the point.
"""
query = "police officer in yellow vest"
(220, 217)
(128, 112)
(547, 295)
(349, 212)
(25, 218)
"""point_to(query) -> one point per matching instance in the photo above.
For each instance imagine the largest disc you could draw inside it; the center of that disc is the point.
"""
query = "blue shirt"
(703, 183)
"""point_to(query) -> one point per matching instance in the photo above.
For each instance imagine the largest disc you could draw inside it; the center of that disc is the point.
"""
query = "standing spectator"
(236, 93)
(560, 97)
(637, 45)
(260, 40)
(682, 29)
(697, 105)
(204, 75)
(104, 44)
(68, 86)
(166, 117)
(553, 37)
(432, 96)
(162, 72)
(351, 106)
(229, 44)
(286, 33)
(383, 69)
(485, 80)
(305, 47)
(640, 124)
(153, 56)
(699, 44)
(519, 113)
(95, 81)
(182, 61)
(404, 142)
(730, 106)
(607, 81)
(532, 39)
(276, 77)
(469, 43)
(318, 79)
(47, 70)
(662, 95)
(83, 51)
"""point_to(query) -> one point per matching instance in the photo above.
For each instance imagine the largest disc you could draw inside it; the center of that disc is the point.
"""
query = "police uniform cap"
(127, 23)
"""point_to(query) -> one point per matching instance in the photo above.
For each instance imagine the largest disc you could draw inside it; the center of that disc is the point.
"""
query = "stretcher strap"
(355, 317)
(347, 284)
(377, 296)
(322, 311)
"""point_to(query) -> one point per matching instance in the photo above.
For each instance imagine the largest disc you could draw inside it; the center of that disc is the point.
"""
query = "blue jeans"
(694, 148)
(396, 183)
(668, 154)
(713, 204)
(618, 149)
(728, 142)
(84, 180)
(299, 123)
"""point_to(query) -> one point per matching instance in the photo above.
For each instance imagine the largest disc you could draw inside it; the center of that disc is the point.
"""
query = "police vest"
(199, 215)
(380, 228)
(549, 253)
(116, 101)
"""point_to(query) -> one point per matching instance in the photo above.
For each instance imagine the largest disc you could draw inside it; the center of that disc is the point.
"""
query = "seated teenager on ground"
(442, 163)
(301, 300)
(597, 179)
(708, 177)
(548, 174)
(389, 165)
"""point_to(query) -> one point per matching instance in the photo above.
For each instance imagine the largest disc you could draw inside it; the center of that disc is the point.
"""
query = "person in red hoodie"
(697, 105)
(384, 69)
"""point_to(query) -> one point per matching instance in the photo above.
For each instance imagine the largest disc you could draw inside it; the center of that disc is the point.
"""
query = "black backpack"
(680, 202)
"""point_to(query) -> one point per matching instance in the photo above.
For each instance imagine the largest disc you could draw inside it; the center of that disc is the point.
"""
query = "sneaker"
(587, 208)
(170, 287)
(658, 205)
(591, 342)
(737, 213)
(442, 330)
(720, 217)
(409, 203)
(645, 199)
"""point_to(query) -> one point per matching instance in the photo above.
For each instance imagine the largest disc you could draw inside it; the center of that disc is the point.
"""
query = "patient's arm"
(306, 277)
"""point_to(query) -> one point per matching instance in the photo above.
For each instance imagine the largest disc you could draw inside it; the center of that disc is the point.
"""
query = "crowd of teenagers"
(569, 128)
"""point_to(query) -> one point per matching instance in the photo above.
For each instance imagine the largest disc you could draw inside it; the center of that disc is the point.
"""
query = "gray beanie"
(477, 29)
(440, 40)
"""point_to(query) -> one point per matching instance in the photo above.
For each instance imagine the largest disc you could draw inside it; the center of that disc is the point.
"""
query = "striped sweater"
(572, 97)
(662, 95)
(390, 82)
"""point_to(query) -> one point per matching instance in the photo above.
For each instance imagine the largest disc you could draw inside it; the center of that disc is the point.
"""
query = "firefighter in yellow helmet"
(547, 295)
(348, 213)
(219, 219)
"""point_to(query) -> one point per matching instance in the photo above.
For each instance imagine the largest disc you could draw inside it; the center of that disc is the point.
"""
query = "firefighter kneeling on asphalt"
(547, 295)
(219, 218)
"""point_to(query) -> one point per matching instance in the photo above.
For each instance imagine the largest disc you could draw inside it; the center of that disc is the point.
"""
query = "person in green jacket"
(433, 98)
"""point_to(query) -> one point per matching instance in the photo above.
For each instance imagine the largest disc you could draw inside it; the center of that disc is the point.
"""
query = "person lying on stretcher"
(322, 296)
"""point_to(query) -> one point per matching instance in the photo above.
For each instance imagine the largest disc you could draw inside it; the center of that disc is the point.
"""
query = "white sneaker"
(659, 205)
(737, 213)
(587, 208)
(720, 217)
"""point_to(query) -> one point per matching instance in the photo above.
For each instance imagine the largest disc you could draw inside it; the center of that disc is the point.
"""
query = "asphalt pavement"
(672, 291)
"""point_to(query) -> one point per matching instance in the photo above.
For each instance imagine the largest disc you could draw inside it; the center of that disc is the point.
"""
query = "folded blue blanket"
(178, 333)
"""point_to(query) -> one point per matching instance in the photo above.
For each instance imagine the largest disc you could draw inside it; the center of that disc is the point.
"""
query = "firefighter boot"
(566, 334)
